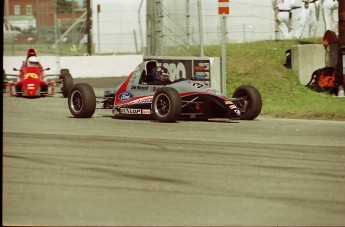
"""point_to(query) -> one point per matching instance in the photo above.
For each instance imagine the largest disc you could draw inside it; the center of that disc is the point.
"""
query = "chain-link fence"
(185, 25)
(153, 27)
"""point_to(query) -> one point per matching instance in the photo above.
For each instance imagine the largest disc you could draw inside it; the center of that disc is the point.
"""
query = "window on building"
(28, 9)
(16, 9)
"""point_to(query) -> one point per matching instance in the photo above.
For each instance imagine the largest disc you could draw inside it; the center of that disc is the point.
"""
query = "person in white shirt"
(330, 14)
(283, 17)
(309, 10)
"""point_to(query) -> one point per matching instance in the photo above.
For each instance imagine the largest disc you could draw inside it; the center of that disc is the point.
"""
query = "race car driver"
(33, 62)
(160, 75)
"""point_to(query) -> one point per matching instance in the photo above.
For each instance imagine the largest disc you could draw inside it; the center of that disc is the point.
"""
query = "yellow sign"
(33, 75)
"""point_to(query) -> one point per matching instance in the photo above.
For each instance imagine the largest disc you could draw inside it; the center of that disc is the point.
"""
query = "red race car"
(32, 82)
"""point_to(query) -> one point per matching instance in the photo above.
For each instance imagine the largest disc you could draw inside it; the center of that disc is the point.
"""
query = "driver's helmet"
(160, 74)
(33, 61)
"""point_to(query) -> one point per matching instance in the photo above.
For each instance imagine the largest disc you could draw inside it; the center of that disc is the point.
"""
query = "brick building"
(22, 12)
(39, 11)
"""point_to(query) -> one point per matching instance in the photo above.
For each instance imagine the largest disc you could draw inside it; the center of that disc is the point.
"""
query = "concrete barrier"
(103, 66)
(81, 66)
(310, 57)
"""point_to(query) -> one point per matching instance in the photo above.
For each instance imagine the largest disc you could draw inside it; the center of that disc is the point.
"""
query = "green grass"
(261, 64)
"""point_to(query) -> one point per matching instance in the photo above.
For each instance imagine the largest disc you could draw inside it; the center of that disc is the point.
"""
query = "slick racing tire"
(250, 102)
(67, 82)
(166, 105)
(82, 101)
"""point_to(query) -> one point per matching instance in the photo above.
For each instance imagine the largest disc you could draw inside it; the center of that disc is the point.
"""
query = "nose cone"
(32, 90)
(31, 93)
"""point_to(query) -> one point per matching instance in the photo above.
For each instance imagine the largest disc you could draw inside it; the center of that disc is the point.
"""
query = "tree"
(65, 6)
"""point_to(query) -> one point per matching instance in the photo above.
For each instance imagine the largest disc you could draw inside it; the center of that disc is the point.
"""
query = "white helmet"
(33, 61)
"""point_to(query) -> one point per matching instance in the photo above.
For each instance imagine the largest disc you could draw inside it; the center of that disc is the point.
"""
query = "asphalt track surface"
(59, 170)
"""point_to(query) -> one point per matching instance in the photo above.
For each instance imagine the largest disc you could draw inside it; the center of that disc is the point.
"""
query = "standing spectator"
(283, 16)
(295, 14)
(309, 10)
(330, 14)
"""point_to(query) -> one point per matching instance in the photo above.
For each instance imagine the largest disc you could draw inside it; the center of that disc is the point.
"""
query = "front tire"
(67, 82)
(250, 102)
(166, 105)
(82, 101)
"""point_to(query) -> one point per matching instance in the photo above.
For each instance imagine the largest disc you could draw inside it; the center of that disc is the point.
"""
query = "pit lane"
(58, 170)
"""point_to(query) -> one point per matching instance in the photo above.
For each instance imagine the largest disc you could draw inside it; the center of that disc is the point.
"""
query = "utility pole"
(201, 29)
(88, 26)
(223, 31)
(56, 29)
(223, 11)
(187, 23)
(98, 28)
(140, 29)
(158, 41)
(150, 28)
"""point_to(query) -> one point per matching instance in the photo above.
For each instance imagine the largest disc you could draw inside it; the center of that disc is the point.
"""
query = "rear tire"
(166, 105)
(82, 101)
(67, 82)
(251, 102)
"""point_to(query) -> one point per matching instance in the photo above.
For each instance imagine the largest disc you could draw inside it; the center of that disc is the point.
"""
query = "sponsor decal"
(137, 73)
(228, 103)
(146, 111)
(124, 96)
(140, 88)
(187, 68)
(32, 75)
(130, 111)
(197, 85)
(176, 69)
(142, 101)
(202, 66)
(233, 107)
(30, 87)
(202, 71)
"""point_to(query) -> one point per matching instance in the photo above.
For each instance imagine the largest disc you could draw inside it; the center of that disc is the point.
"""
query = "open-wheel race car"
(31, 80)
(141, 96)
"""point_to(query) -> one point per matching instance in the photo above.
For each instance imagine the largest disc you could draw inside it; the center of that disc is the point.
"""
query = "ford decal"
(125, 96)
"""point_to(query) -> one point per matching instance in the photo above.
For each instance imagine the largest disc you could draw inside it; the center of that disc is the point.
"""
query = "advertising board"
(202, 69)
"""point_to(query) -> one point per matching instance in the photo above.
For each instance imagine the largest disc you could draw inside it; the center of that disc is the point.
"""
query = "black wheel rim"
(245, 102)
(162, 105)
(76, 101)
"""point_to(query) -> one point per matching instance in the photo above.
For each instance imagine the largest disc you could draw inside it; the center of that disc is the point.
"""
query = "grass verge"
(261, 64)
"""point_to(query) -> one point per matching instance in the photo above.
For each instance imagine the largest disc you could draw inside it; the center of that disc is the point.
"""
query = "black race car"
(165, 101)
